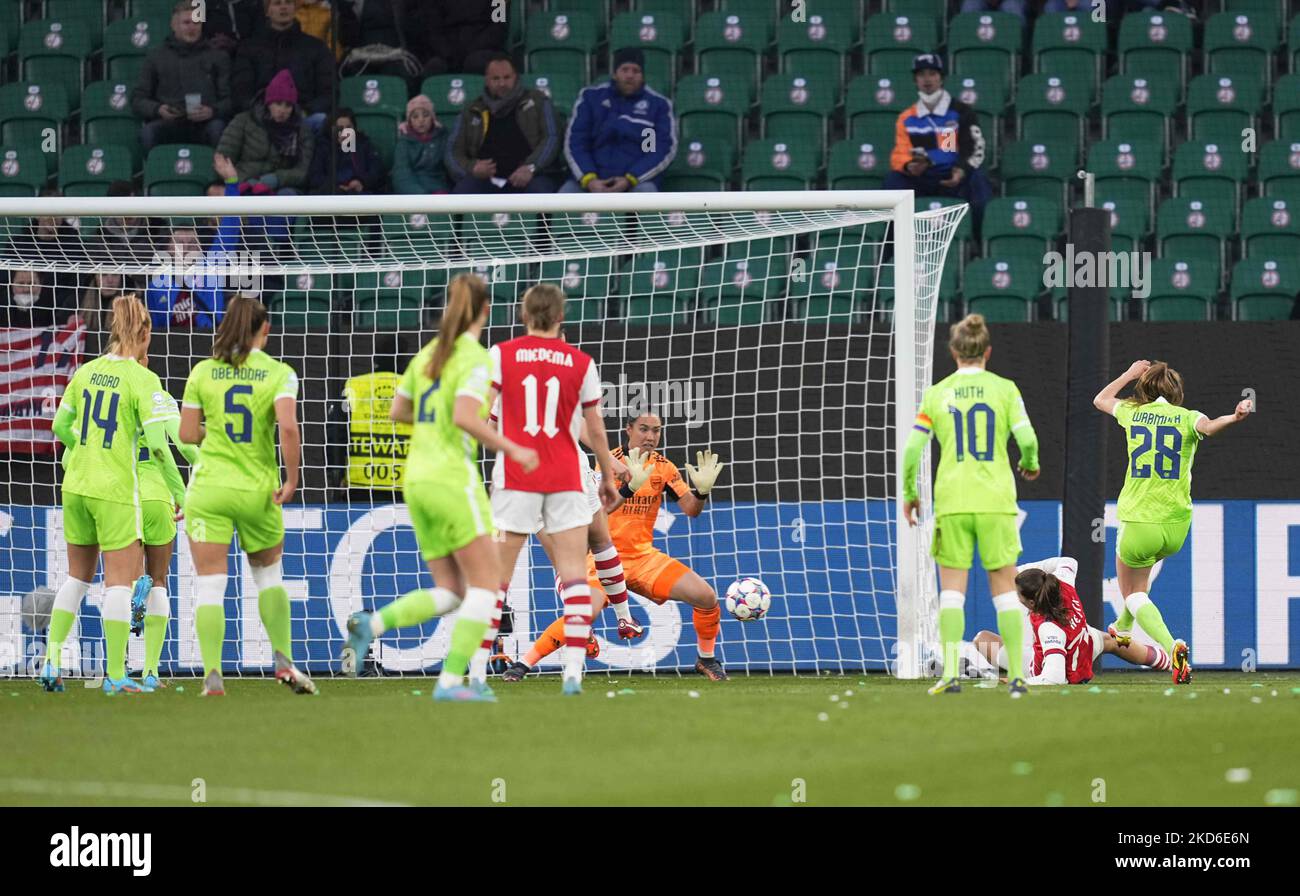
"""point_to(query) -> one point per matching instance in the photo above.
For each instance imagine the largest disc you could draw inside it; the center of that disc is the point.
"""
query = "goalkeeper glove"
(637, 471)
(703, 476)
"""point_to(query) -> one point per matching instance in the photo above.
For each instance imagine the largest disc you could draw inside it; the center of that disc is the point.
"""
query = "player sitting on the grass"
(1064, 646)
(112, 395)
(242, 393)
(650, 572)
(1155, 505)
(444, 395)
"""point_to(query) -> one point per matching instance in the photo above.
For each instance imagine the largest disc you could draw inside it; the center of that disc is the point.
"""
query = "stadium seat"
(1286, 107)
(1156, 45)
(417, 236)
(660, 37)
(1274, 8)
(732, 43)
(704, 163)
(986, 44)
(87, 169)
(936, 10)
(965, 229)
(1051, 107)
(562, 89)
(1071, 45)
(127, 42)
(498, 236)
(22, 170)
(1024, 227)
(1241, 44)
(855, 165)
(1130, 221)
(1220, 107)
(779, 165)
(1293, 43)
(178, 169)
(872, 105)
(1279, 169)
(735, 289)
(106, 117)
(588, 283)
(1039, 169)
(1182, 288)
(1194, 228)
(342, 244)
(988, 97)
(305, 303)
(1004, 290)
(393, 300)
(712, 106)
(1264, 288)
(834, 284)
(1124, 168)
(795, 108)
(1210, 171)
(816, 48)
(150, 9)
(587, 231)
(375, 95)
(686, 10)
(504, 282)
(382, 132)
(56, 52)
(28, 110)
(1134, 107)
(561, 42)
(892, 40)
(658, 283)
(1270, 227)
(450, 93)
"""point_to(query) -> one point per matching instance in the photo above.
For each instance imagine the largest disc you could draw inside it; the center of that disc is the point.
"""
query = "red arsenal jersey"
(545, 385)
(1073, 640)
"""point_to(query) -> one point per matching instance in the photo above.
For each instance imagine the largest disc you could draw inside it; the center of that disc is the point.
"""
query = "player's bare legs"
(952, 626)
(1011, 624)
(82, 560)
(1133, 585)
(157, 609)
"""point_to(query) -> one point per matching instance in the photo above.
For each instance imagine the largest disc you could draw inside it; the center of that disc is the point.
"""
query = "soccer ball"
(748, 599)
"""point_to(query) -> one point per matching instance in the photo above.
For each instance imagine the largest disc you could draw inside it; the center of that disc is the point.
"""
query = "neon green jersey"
(111, 400)
(152, 485)
(972, 413)
(1161, 443)
(440, 450)
(238, 405)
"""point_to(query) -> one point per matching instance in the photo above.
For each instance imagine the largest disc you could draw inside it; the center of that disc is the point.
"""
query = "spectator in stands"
(938, 147)
(1014, 7)
(357, 166)
(230, 21)
(504, 140)
(317, 20)
(29, 302)
(611, 127)
(189, 292)
(121, 239)
(183, 92)
(271, 145)
(378, 42)
(454, 36)
(418, 161)
(281, 44)
(97, 301)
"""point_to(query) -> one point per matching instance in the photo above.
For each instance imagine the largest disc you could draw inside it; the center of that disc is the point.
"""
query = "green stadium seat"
(562, 89)
(87, 169)
(1220, 107)
(702, 164)
(1279, 169)
(872, 105)
(409, 237)
(1210, 171)
(986, 44)
(1070, 44)
(1182, 288)
(1024, 227)
(29, 111)
(988, 97)
(1156, 45)
(561, 42)
(1134, 107)
(306, 302)
(712, 106)
(10, 24)
(343, 244)
(937, 10)
(451, 93)
(1274, 8)
(178, 169)
(392, 300)
(835, 284)
(597, 11)
(56, 52)
(816, 48)
(106, 117)
(850, 13)
(1121, 167)
(659, 284)
(1004, 290)
(893, 39)
(90, 16)
(382, 132)
(506, 283)
(780, 165)
(1286, 108)
(375, 95)
(732, 43)
(795, 107)
(1293, 43)
(748, 7)
(660, 37)
(686, 10)
(499, 235)
(1047, 169)
(855, 165)
(965, 230)
(586, 231)
(1130, 221)
(150, 9)
(127, 42)
(1194, 228)
(23, 171)
(588, 283)
(1270, 227)
(1264, 288)
(1241, 44)
(1052, 107)
(735, 289)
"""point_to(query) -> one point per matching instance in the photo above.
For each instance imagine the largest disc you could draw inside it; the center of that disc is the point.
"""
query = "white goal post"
(791, 332)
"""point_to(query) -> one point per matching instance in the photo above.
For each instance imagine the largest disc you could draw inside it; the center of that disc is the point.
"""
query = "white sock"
(949, 599)
(479, 604)
(977, 660)
(265, 577)
(158, 603)
(211, 590)
(1136, 601)
(479, 661)
(577, 628)
(117, 604)
(70, 594)
(609, 570)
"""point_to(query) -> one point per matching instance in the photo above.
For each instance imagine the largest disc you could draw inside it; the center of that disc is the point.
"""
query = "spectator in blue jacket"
(622, 135)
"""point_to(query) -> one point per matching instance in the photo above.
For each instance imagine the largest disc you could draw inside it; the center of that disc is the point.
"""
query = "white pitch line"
(172, 794)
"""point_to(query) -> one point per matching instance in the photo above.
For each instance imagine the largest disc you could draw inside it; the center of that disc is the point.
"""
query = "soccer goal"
(790, 332)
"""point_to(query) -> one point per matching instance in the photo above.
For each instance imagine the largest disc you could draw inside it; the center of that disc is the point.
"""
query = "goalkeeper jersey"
(972, 413)
(111, 400)
(440, 450)
(238, 404)
(1161, 443)
(152, 485)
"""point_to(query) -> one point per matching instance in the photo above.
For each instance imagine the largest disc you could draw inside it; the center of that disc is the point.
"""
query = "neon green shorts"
(1143, 544)
(447, 517)
(214, 515)
(956, 534)
(159, 522)
(109, 524)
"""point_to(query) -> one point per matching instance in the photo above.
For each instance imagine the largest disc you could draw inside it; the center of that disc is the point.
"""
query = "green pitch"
(750, 741)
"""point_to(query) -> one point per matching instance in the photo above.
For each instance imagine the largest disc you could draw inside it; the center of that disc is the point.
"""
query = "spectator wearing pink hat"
(418, 161)
(270, 145)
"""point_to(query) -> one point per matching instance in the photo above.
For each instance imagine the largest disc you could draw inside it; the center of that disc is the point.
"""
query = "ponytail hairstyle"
(969, 338)
(466, 298)
(130, 327)
(1042, 591)
(543, 307)
(1159, 381)
(243, 321)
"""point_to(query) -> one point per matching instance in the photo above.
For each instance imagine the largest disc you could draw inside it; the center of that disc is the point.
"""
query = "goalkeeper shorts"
(956, 535)
(1144, 544)
(213, 514)
(651, 575)
(159, 519)
(93, 521)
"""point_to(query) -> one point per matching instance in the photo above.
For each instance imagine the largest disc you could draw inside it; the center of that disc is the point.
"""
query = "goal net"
(791, 333)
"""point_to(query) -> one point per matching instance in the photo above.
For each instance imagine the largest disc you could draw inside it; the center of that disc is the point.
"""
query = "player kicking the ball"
(650, 572)
(1155, 505)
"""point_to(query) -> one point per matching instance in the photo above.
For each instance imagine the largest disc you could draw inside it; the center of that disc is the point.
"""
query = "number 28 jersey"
(545, 386)
(238, 404)
(1161, 444)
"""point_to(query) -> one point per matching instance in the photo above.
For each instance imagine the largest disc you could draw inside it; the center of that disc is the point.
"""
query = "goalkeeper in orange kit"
(648, 571)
